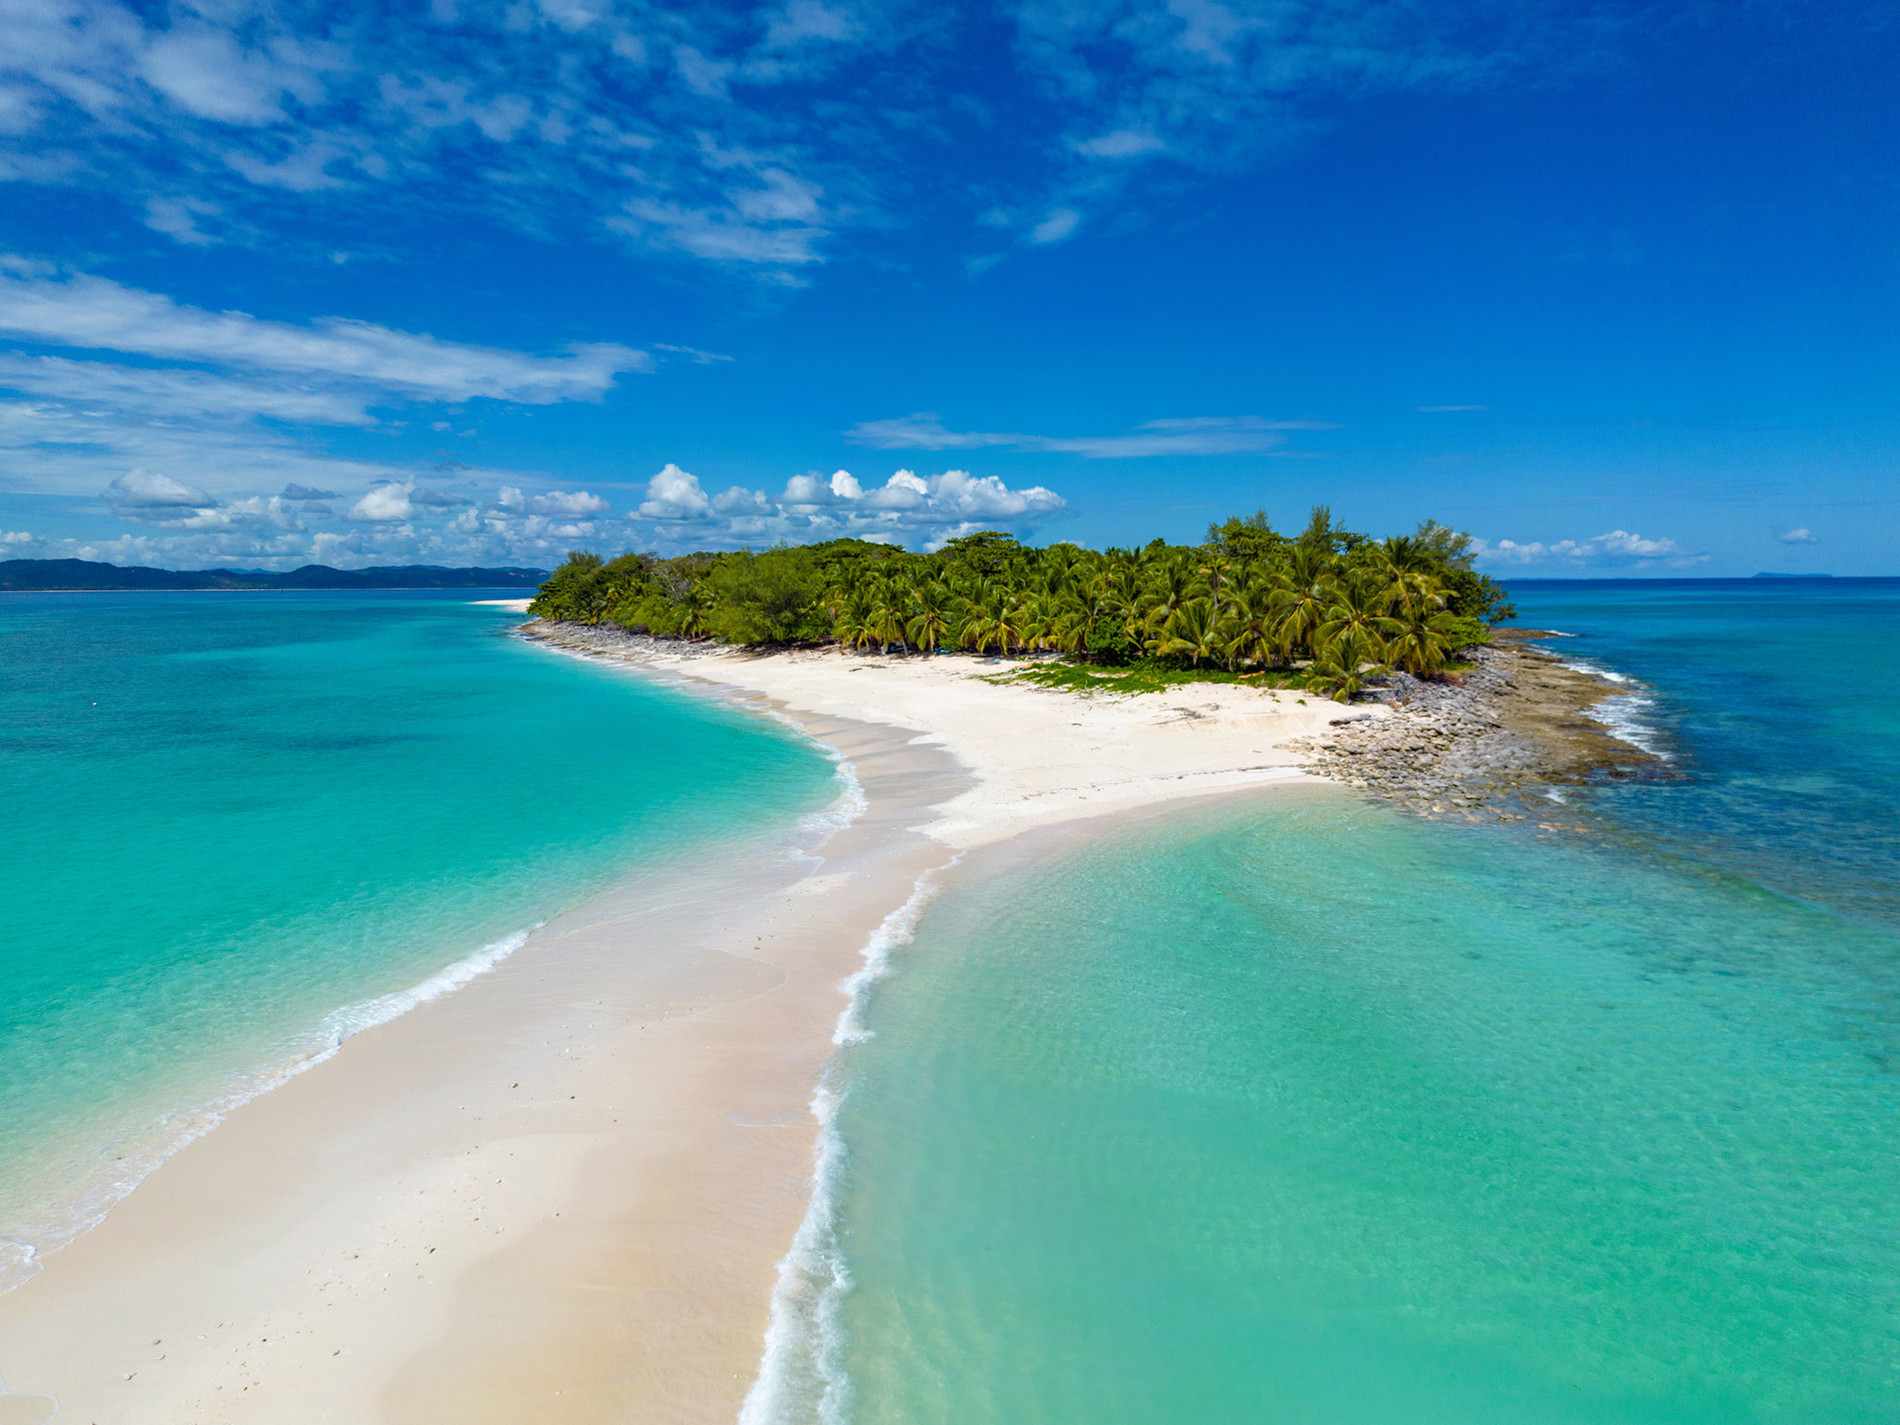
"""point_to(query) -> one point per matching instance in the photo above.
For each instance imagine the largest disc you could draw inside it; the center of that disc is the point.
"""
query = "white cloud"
(988, 497)
(177, 218)
(1801, 534)
(802, 21)
(701, 73)
(720, 236)
(1194, 435)
(569, 502)
(15, 536)
(97, 313)
(805, 490)
(1449, 410)
(175, 395)
(383, 504)
(202, 70)
(149, 489)
(905, 508)
(1617, 546)
(903, 491)
(1058, 226)
(693, 354)
(301, 170)
(675, 494)
(1121, 143)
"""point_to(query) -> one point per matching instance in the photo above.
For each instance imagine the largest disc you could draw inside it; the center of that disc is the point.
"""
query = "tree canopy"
(1334, 606)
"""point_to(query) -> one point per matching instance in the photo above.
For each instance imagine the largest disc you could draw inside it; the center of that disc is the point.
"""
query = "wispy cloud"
(1801, 534)
(1449, 410)
(97, 313)
(1195, 435)
(1058, 226)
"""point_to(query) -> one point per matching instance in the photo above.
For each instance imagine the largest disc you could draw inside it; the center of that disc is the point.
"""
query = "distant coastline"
(79, 576)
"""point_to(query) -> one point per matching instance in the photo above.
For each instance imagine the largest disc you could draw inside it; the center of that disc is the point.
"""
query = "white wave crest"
(801, 1371)
(1626, 718)
(816, 828)
(177, 1131)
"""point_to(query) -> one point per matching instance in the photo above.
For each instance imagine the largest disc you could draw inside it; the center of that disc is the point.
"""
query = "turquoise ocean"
(1295, 1109)
(1287, 1108)
(240, 827)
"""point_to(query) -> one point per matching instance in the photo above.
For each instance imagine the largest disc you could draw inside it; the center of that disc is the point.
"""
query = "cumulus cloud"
(1192, 435)
(675, 494)
(15, 537)
(1801, 534)
(1617, 546)
(150, 489)
(905, 508)
(385, 504)
(569, 502)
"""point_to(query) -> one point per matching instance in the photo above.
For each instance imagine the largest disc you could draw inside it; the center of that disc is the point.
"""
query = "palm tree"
(930, 615)
(1423, 643)
(993, 620)
(856, 626)
(1353, 619)
(1251, 633)
(1299, 604)
(1171, 584)
(1193, 631)
(1338, 674)
(1074, 622)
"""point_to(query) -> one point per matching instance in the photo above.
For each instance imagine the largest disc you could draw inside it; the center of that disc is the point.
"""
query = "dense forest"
(1325, 608)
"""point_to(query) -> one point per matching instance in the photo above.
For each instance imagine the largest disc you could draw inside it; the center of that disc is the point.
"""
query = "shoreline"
(575, 1200)
(625, 1234)
(1522, 720)
(595, 1162)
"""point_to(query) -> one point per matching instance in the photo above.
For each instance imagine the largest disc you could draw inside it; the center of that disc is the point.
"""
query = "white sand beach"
(560, 1192)
(1036, 756)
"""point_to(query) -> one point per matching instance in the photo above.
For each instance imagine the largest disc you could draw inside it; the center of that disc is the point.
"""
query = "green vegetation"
(1326, 609)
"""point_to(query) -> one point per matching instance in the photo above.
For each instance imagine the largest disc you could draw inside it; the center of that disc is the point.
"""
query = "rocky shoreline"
(1488, 745)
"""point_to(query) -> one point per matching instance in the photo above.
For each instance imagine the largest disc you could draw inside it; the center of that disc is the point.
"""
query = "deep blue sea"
(240, 827)
(1296, 1109)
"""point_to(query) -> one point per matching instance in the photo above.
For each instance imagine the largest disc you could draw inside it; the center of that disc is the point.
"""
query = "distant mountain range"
(49, 575)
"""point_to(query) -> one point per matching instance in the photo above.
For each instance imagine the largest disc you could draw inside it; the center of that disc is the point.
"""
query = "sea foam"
(801, 1371)
(1626, 717)
(21, 1260)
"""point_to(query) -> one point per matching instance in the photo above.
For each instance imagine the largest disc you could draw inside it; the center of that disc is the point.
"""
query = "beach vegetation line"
(1327, 609)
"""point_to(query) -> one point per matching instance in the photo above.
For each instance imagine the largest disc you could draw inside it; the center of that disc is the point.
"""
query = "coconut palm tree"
(992, 621)
(1353, 619)
(1251, 633)
(1193, 631)
(1299, 601)
(856, 626)
(1338, 674)
(1422, 643)
(930, 612)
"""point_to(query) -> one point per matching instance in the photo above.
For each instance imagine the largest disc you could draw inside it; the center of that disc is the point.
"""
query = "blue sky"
(1615, 288)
